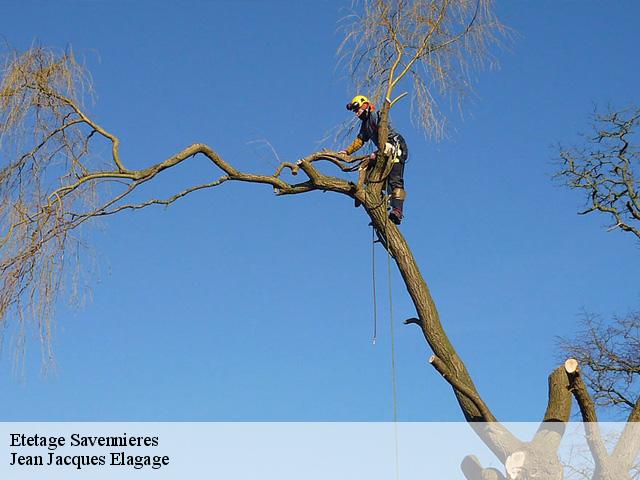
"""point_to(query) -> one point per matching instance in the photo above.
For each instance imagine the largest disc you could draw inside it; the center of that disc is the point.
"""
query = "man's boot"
(397, 200)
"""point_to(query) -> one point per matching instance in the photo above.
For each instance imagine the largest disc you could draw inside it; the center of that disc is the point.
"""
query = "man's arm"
(354, 147)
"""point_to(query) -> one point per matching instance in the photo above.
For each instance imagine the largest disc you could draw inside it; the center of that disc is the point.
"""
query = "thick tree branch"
(588, 412)
(559, 402)
(557, 413)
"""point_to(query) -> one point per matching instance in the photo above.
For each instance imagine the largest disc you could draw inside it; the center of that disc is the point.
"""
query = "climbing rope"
(394, 377)
(373, 282)
(394, 386)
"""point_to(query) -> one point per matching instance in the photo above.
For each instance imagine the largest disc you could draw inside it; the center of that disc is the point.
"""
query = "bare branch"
(605, 168)
(53, 184)
(166, 201)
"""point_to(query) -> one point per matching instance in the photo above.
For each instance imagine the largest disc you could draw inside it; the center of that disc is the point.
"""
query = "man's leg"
(396, 187)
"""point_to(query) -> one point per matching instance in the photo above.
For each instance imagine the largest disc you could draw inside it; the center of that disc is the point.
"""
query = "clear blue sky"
(237, 305)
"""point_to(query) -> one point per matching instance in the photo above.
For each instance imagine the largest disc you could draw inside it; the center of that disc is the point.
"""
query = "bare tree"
(606, 168)
(54, 185)
(609, 353)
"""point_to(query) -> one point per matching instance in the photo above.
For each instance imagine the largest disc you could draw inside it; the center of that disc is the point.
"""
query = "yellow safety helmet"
(358, 102)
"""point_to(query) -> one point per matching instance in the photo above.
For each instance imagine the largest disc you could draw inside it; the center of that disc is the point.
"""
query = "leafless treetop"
(607, 169)
(434, 43)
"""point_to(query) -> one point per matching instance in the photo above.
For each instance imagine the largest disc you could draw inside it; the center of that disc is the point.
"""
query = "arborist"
(396, 148)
